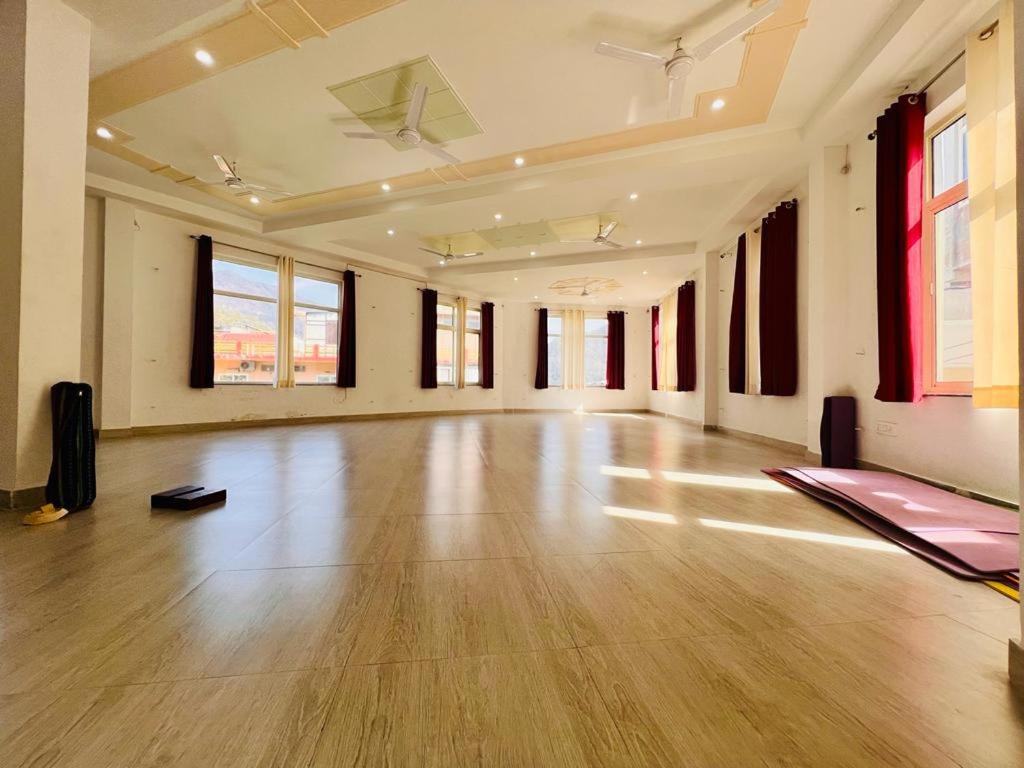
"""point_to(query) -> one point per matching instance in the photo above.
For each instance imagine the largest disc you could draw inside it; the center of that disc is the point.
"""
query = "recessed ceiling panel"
(520, 235)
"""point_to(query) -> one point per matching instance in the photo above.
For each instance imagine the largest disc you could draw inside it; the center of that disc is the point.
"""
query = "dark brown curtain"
(428, 340)
(347, 332)
(738, 322)
(655, 335)
(540, 381)
(899, 181)
(200, 374)
(779, 362)
(487, 345)
(615, 367)
(686, 337)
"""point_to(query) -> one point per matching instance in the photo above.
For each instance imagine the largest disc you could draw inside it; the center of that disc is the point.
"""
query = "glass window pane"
(473, 319)
(949, 157)
(595, 361)
(445, 315)
(554, 358)
(323, 293)
(472, 357)
(315, 346)
(555, 324)
(445, 355)
(954, 339)
(244, 340)
(596, 326)
(241, 278)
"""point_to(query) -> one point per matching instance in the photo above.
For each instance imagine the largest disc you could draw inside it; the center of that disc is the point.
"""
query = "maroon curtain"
(686, 337)
(615, 366)
(428, 340)
(347, 332)
(200, 375)
(779, 344)
(487, 345)
(655, 340)
(738, 322)
(540, 381)
(899, 191)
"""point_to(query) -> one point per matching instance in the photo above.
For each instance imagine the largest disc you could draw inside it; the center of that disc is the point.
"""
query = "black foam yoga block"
(188, 497)
(839, 433)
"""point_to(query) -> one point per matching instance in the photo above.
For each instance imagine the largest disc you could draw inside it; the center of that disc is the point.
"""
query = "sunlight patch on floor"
(642, 514)
(821, 538)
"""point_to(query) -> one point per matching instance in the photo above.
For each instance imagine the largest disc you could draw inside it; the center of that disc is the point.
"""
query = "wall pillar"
(708, 339)
(44, 90)
(118, 297)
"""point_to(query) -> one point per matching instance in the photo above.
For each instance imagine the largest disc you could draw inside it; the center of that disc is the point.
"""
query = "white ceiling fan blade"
(579, 242)
(367, 135)
(224, 166)
(629, 54)
(676, 89)
(608, 229)
(734, 30)
(415, 113)
(468, 255)
(438, 152)
(436, 253)
(271, 190)
(610, 244)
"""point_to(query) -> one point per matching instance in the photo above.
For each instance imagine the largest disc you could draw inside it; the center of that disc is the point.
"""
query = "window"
(315, 348)
(949, 345)
(446, 344)
(471, 353)
(555, 322)
(595, 353)
(244, 323)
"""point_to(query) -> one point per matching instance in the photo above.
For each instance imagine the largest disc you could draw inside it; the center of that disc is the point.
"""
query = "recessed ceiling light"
(633, 195)
(520, 162)
(497, 217)
(516, 279)
(644, 272)
(204, 58)
(391, 233)
(442, 262)
(254, 200)
(717, 104)
(620, 298)
(533, 253)
(639, 242)
(536, 297)
(104, 133)
(385, 187)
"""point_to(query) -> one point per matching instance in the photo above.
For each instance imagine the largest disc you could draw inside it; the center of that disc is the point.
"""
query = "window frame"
(586, 335)
(228, 258)
(933, 206)
(454, 327)
(560, 314)
(334, 280)
(479, 346)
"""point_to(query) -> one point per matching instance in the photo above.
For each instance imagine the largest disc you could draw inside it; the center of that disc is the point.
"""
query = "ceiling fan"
(238, 185)
(682, 61)
(409, 132)
(448, 255)
(603, 233)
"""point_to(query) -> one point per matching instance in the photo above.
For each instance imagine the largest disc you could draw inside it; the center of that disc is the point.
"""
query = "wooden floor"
(528, 590)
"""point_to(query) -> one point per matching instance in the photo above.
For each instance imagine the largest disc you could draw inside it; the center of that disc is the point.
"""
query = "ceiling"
(527, 74)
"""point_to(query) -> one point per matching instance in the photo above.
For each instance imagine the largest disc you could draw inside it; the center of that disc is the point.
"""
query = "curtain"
(201, 370)
(992, 199)
(573, 346)
(461, 305)
(487, 345)
(615, 364)
(686, 337)
(753, 312)
(285, 322)
(668, 318)
(428, 340)
(899, 193)
(540, 380)
(778, 310)
(654, 348)
(738, 322)
(347, 331)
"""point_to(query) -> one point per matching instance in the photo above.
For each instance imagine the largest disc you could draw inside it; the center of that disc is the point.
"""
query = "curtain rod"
(264, 253)
(538, 309)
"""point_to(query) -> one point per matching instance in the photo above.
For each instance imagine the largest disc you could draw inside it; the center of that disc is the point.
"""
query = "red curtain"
(200, 375)
(777, 300)
(686, 337)
(738, 322)
(487, 345)
(540, 381)
(655, 341)
(347, 332)
(428, 340)
(899, 193)
(615, 367)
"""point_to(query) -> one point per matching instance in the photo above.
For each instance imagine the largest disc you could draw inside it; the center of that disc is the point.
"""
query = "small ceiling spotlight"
(442, 262)
(717, 104)
(497, 217)
(204, 58)
(391, 233)
(254, 200)
(520, 161)
(536, 297)
(104, 133)
(385, 187)
(533, 253)
(516, 279)
(644, 272)
(633, 195)
(638, 242)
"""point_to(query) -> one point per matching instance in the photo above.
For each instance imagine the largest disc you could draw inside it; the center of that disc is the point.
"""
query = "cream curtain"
(460, 341)
(753, 385)
(991, 175)
(285, 324)
(668, 374)
(573, 342)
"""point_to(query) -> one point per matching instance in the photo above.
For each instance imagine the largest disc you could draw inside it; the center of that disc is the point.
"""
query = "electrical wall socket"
(887, 428)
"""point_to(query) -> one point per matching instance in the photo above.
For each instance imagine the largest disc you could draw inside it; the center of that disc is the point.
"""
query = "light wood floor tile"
(457, 608)
(455, 537)
(576, 533)
(309, 540)
(1002, 624)
(537, 709)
